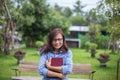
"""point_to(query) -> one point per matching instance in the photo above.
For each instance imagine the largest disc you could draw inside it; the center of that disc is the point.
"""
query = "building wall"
(73, 39)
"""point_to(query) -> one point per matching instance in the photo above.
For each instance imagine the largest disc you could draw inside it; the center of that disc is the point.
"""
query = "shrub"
(93, 45)
(39, 43)
(87, 43)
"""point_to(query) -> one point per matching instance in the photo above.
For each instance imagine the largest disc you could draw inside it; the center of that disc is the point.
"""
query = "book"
(56, 61)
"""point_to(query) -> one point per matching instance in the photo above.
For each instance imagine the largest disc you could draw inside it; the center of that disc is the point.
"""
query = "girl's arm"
(65, 69)
(55, 74)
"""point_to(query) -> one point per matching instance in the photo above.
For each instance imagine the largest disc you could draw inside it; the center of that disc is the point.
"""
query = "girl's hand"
(48, 63)
(62, 76)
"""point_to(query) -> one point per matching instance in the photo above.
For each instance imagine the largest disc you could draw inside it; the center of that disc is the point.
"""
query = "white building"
(73, 40)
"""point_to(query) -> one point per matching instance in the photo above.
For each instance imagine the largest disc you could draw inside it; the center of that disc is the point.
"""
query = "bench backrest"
(33, 67)
(28, 66)
(81, 69)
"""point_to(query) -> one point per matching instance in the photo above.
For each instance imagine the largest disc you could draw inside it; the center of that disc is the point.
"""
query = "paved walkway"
(37, 78)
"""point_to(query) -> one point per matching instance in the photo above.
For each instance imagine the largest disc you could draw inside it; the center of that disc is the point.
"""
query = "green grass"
(79, 56)
(102, 73)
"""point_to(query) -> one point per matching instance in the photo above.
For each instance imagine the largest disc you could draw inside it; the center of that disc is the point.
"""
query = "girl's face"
(57, 42)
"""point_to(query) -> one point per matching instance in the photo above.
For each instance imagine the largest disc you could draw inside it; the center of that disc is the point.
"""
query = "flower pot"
(103, 61)
(19, 58)
(93, 52)
(19, 55)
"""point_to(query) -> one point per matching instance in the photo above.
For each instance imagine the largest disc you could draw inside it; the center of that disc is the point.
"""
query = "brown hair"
(48, 46)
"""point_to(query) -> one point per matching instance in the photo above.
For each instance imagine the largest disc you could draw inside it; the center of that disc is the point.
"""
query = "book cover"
(56, 61)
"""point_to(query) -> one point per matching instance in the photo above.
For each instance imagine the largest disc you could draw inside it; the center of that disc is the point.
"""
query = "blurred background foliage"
(34, 19)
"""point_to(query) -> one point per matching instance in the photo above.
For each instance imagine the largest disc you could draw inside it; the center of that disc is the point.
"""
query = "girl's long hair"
(48, 45)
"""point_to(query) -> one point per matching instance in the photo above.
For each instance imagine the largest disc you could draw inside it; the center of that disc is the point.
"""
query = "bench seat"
(37, 78)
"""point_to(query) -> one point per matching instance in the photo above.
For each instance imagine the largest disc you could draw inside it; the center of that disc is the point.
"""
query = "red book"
(56, 61)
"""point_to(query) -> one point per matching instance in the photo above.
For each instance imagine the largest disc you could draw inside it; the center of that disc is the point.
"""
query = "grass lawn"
(79, 56)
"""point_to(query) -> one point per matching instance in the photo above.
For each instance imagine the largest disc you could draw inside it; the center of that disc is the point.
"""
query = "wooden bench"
(81, 69)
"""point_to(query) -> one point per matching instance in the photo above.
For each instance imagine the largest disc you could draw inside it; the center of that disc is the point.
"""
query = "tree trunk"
(9, 27)
(113, 46)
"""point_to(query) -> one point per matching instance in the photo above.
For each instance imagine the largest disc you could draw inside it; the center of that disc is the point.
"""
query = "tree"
(64, 11)
(78, 8)
(67, 12)
(93, 32)
(111, 10)
(38, 20)
(33, 19)
(58, 8)
(91, 16)
(9, 25)
(78, 20)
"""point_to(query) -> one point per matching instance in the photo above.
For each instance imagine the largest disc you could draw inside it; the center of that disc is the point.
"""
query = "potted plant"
(19, 55)
(93, 47)
(39, 44)
(87, 46)
(103, 58)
